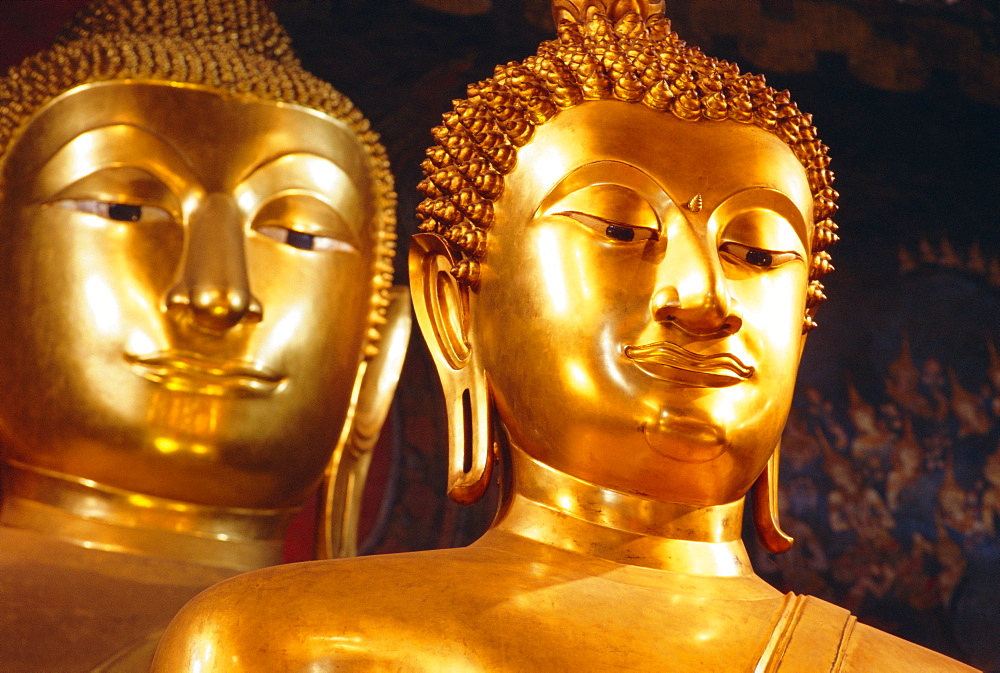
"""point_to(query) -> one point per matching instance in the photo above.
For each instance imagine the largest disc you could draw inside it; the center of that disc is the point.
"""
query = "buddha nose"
(214, 288)
(692, 290)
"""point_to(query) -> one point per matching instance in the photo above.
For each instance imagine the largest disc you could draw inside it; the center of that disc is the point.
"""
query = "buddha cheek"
(309, 337)
(76, 298)
(99, 288)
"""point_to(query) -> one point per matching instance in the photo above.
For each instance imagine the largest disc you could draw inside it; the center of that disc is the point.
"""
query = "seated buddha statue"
(199, 321)
(622, 250)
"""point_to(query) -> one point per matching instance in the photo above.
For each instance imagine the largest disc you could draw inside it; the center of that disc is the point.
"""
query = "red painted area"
(301, 532)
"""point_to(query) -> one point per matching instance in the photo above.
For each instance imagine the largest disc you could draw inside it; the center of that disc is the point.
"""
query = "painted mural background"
(891, 461)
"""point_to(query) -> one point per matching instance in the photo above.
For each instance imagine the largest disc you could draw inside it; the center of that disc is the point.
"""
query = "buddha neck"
(557, 509)
(97, 516)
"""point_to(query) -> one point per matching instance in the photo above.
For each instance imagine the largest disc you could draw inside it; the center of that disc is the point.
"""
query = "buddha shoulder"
(870, 649)
(487, 609)
(362, 613)
(815, 635)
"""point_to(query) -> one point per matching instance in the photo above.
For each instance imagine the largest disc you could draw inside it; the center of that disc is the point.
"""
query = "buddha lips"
(673, 363)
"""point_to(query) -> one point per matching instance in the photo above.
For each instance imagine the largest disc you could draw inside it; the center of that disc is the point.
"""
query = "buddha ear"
(441, 304)
(374, 388)
(765, 507)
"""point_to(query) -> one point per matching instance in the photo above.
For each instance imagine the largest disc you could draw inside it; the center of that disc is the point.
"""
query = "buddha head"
(197, 238)
(624, 241)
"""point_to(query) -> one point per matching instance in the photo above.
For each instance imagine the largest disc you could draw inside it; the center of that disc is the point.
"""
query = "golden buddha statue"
(199, 320)
(621, 259)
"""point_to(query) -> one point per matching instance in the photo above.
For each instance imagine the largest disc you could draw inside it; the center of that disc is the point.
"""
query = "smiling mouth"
(675, 364)
(186, 372)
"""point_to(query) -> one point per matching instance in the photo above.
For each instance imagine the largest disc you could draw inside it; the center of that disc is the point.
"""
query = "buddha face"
(186, 288)
(639, 314)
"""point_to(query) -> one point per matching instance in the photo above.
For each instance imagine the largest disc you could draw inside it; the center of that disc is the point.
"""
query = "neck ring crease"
(97, 516)
(560, 510)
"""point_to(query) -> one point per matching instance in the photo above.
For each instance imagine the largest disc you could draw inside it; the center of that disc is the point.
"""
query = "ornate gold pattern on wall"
(891, 479)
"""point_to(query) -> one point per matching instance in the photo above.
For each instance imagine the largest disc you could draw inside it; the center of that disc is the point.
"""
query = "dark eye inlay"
(756, 257)
(301, 240)
(759, 258)
(116, 211)
(297, 239)
(123, 212)
(620, 233)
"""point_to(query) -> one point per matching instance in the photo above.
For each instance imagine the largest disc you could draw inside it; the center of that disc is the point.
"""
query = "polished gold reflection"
(189, 337)
(199, 325)
(612, 283)
(178, 283)
(184, 294)
(655, 306)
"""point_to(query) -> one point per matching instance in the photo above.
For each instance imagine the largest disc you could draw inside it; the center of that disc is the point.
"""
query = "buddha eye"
(304, 241)
(617, 231)
(620, 233)
(763, 259)
(115, 211)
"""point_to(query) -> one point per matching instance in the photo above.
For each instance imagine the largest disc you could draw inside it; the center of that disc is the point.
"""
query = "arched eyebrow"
(304, 172)
(111, 147)
(608, 172)
(765, 198)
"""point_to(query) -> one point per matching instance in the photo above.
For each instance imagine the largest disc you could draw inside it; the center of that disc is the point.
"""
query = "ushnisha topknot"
(603, 53)
(234, 46)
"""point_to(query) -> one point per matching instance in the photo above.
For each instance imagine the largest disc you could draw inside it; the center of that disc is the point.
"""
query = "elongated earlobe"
(765, 508)
(470, 461)
(441, 305)
(344, 481)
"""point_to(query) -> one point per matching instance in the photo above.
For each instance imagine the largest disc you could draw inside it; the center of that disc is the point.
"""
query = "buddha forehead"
(629, 59)
(228, 136)
(664, 157)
